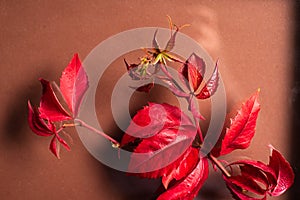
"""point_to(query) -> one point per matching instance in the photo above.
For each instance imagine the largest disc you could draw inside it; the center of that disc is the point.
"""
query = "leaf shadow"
(15, 123)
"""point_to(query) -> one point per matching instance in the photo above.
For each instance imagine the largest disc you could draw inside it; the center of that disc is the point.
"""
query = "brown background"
(252, 39)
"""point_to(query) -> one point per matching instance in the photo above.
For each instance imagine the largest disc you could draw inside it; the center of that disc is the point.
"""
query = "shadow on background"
(295, 138)
(17, 111)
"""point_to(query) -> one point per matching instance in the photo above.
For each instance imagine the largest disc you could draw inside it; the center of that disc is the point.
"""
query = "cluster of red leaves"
(49, 118)
(161, 135)
(168, 139)
(255, 180)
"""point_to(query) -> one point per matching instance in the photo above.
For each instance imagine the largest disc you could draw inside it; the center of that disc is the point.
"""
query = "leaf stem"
(83, 124)
(219, 165)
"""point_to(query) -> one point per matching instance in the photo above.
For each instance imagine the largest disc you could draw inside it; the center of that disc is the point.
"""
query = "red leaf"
(242, 127)
(161, 152)
(237, 191)
(73, 84)
(182, 166)
(193, 71)
(50, 108)
(54, 147)
(211, 86)
(284, 173)
(255, 168)
(152, 119)
(63, 142)
(245, 182)
(37, 124)
(189, 187)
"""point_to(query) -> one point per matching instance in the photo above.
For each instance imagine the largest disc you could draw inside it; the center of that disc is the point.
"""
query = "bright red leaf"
(161, 152)
(152, 119)
(242, 127)
(50, 107)
(188, 187)
(165, 135)
(73, 84)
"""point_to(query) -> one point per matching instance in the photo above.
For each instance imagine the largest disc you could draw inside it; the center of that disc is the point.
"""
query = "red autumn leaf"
(182, 167)
(189, 187)
(256, 169)
(63, 142)
(152, 119)
(235, 187)
(284, 173)
(73, 84)
(242, 127)
(50, 107)
(37, 124)
(157, 155)
(192, 72)
(211, 86)
(54, 147)
(246, 183)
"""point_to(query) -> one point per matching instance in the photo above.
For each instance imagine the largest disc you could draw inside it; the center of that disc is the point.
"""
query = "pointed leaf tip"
(283, 171)
(54, 147)
(73, 84)
(242, 128)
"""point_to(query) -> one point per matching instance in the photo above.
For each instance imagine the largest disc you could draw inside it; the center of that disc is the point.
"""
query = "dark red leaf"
(182, 166)
(54, 147)
(73, 84)
(211, 86)
(192, 72)
(50, 108)
(245, 182)
(255, 168)
(284, 173)
(238, 192)
(257, 175)
(189, 187)
(37, 124)
(242, 127)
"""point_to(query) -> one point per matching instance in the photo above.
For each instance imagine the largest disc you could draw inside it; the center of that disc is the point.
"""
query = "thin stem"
(70, 125)
(83, 124)
(219, 165)
(170, 77)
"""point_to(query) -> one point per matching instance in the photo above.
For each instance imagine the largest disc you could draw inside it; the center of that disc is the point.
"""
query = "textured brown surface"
(37, 39)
